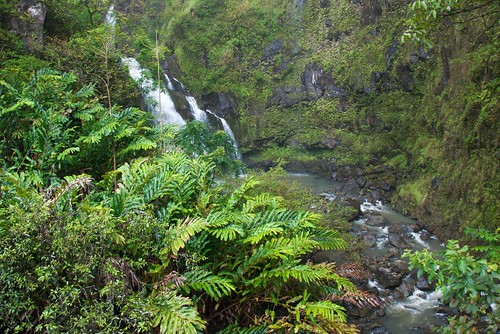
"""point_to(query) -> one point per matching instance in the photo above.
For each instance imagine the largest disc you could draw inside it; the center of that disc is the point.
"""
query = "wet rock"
(376, 220)
(396, 240)
(397, 228)
(330, 143)
(355, 204)
(28, 23)
(405, 289)
(424, 285)
(369, 239)
(388, 277)
(414, 228)
(272, 49)
(221, 103)
(349, 187)
(425, 235)
(367, 313)
(405, 77)
(391, 53)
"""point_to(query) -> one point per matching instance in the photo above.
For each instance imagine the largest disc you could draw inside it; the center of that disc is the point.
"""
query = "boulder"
(369, 239)
(388, 277)
(424, 285)
(397, 241)
(376, 220)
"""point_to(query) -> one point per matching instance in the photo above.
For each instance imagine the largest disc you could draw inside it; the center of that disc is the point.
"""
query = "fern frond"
(228, 232)
(303, 273)
(361, 299)
(139, 144)
(353, 270)
(176, 314)
(235, 329)
(325, 308)
(279, 248)
(328, 239)
(263, 200)
(257, 234)
(238, 195)
(177, 236)
(201, 280)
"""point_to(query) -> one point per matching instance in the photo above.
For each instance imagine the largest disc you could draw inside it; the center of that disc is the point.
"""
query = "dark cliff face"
(27, 22)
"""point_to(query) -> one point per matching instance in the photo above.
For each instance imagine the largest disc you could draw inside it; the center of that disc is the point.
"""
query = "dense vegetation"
(111, 223)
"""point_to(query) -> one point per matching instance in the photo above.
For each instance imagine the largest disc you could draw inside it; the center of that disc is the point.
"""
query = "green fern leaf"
(177, 236)
(176, 314)
(215, 286)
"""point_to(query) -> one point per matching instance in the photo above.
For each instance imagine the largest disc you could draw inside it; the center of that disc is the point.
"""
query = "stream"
(411, 302)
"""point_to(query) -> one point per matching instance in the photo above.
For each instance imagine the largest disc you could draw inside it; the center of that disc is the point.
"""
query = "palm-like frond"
(264, 200)
(177, 236)
(176, 314)
(201, 280)
(305, 273)
(235, 329)
(328, 239)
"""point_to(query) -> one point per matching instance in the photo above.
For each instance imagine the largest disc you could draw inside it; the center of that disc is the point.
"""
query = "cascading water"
(411, 311)
(198, 114)
(158, 101)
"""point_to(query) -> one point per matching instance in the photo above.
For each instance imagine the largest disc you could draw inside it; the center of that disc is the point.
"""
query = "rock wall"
(28, 22)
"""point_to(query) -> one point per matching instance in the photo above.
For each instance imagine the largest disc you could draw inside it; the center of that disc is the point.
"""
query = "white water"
(227, 129)
(199, 115)
(110, 18)
(159, 102)
(170, 86)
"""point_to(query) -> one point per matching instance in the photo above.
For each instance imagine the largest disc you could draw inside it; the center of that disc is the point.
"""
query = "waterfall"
(228, 130)
(159, 102)
(170, 86)
(198, 114)
(110, 18)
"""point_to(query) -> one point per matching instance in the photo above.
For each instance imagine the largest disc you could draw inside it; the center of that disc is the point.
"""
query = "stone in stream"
(396, 240)
(388, 278)
(424, 285)
(369, 239)
(376, 220)
(405, 289)
(425, 235)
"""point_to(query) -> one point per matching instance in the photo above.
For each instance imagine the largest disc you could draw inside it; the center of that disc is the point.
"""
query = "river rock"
(405, 289)
(369, 239)
(376, 220)
(396, 240)
(388, 277)
(397, 228)
(423, 284)
(425, 235)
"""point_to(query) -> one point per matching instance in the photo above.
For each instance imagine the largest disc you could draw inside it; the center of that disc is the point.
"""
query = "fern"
(257, 234)
(215, 286)
(177, 236)
(264, 200)
(328, 239)
(176, 314)
(235, 329)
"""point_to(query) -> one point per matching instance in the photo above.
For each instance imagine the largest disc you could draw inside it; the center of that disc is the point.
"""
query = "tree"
(426, 15)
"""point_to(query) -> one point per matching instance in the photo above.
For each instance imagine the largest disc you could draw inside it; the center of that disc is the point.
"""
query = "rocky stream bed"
(410, 304)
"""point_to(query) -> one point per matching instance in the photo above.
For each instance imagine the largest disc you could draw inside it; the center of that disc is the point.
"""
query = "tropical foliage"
(468, 282)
